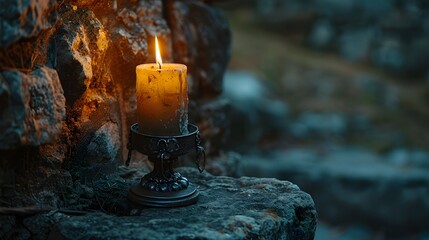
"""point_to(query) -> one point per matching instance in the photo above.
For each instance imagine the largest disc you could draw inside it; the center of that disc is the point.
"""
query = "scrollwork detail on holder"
(167, 146)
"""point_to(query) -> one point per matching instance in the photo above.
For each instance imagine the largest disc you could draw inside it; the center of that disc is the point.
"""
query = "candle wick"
(159, 65)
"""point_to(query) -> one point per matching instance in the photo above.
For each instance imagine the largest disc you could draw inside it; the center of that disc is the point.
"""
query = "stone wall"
(67, 84)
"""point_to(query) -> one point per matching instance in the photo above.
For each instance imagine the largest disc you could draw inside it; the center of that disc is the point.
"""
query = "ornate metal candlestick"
(163, 187)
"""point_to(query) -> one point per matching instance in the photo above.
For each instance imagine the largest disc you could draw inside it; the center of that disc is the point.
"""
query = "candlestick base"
(140, 196)
(163, 187)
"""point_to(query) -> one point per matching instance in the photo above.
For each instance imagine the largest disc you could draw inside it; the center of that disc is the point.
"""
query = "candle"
(162, 97)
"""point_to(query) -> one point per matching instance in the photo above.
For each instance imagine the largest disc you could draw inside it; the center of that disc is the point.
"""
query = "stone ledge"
(228, 208)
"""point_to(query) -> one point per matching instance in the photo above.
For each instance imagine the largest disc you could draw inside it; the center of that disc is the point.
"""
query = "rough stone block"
(196, 26)
(32, 107)
(104, 145)
(23, 19)
(98, 146)
(213, 121)
(79, 46)
(228, 208)
(133, 31)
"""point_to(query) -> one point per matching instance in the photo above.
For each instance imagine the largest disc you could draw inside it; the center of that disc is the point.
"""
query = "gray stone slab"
(228, 208)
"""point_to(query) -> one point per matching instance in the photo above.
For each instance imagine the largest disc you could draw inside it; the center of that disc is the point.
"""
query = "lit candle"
(162, 97)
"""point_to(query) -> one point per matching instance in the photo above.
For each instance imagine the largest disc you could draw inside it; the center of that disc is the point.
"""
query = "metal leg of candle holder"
(163, 187)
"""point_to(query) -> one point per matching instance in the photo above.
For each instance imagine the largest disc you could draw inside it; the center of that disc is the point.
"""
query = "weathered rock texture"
(228, 208)
(67, 83)
(23, 19)
(191, 35)
(32, 107)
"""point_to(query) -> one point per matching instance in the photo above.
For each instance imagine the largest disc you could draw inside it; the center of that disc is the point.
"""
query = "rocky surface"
(207, 69)
(228, 208)
(23, 19)
(79, 46)
(32, 108)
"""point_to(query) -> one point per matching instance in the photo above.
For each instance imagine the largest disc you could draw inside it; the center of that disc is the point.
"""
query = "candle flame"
(158, 53)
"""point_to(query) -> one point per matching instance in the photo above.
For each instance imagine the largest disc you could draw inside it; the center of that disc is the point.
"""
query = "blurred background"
(333, 95)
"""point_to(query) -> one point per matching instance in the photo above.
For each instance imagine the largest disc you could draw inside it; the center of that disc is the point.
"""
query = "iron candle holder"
(164, 187)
